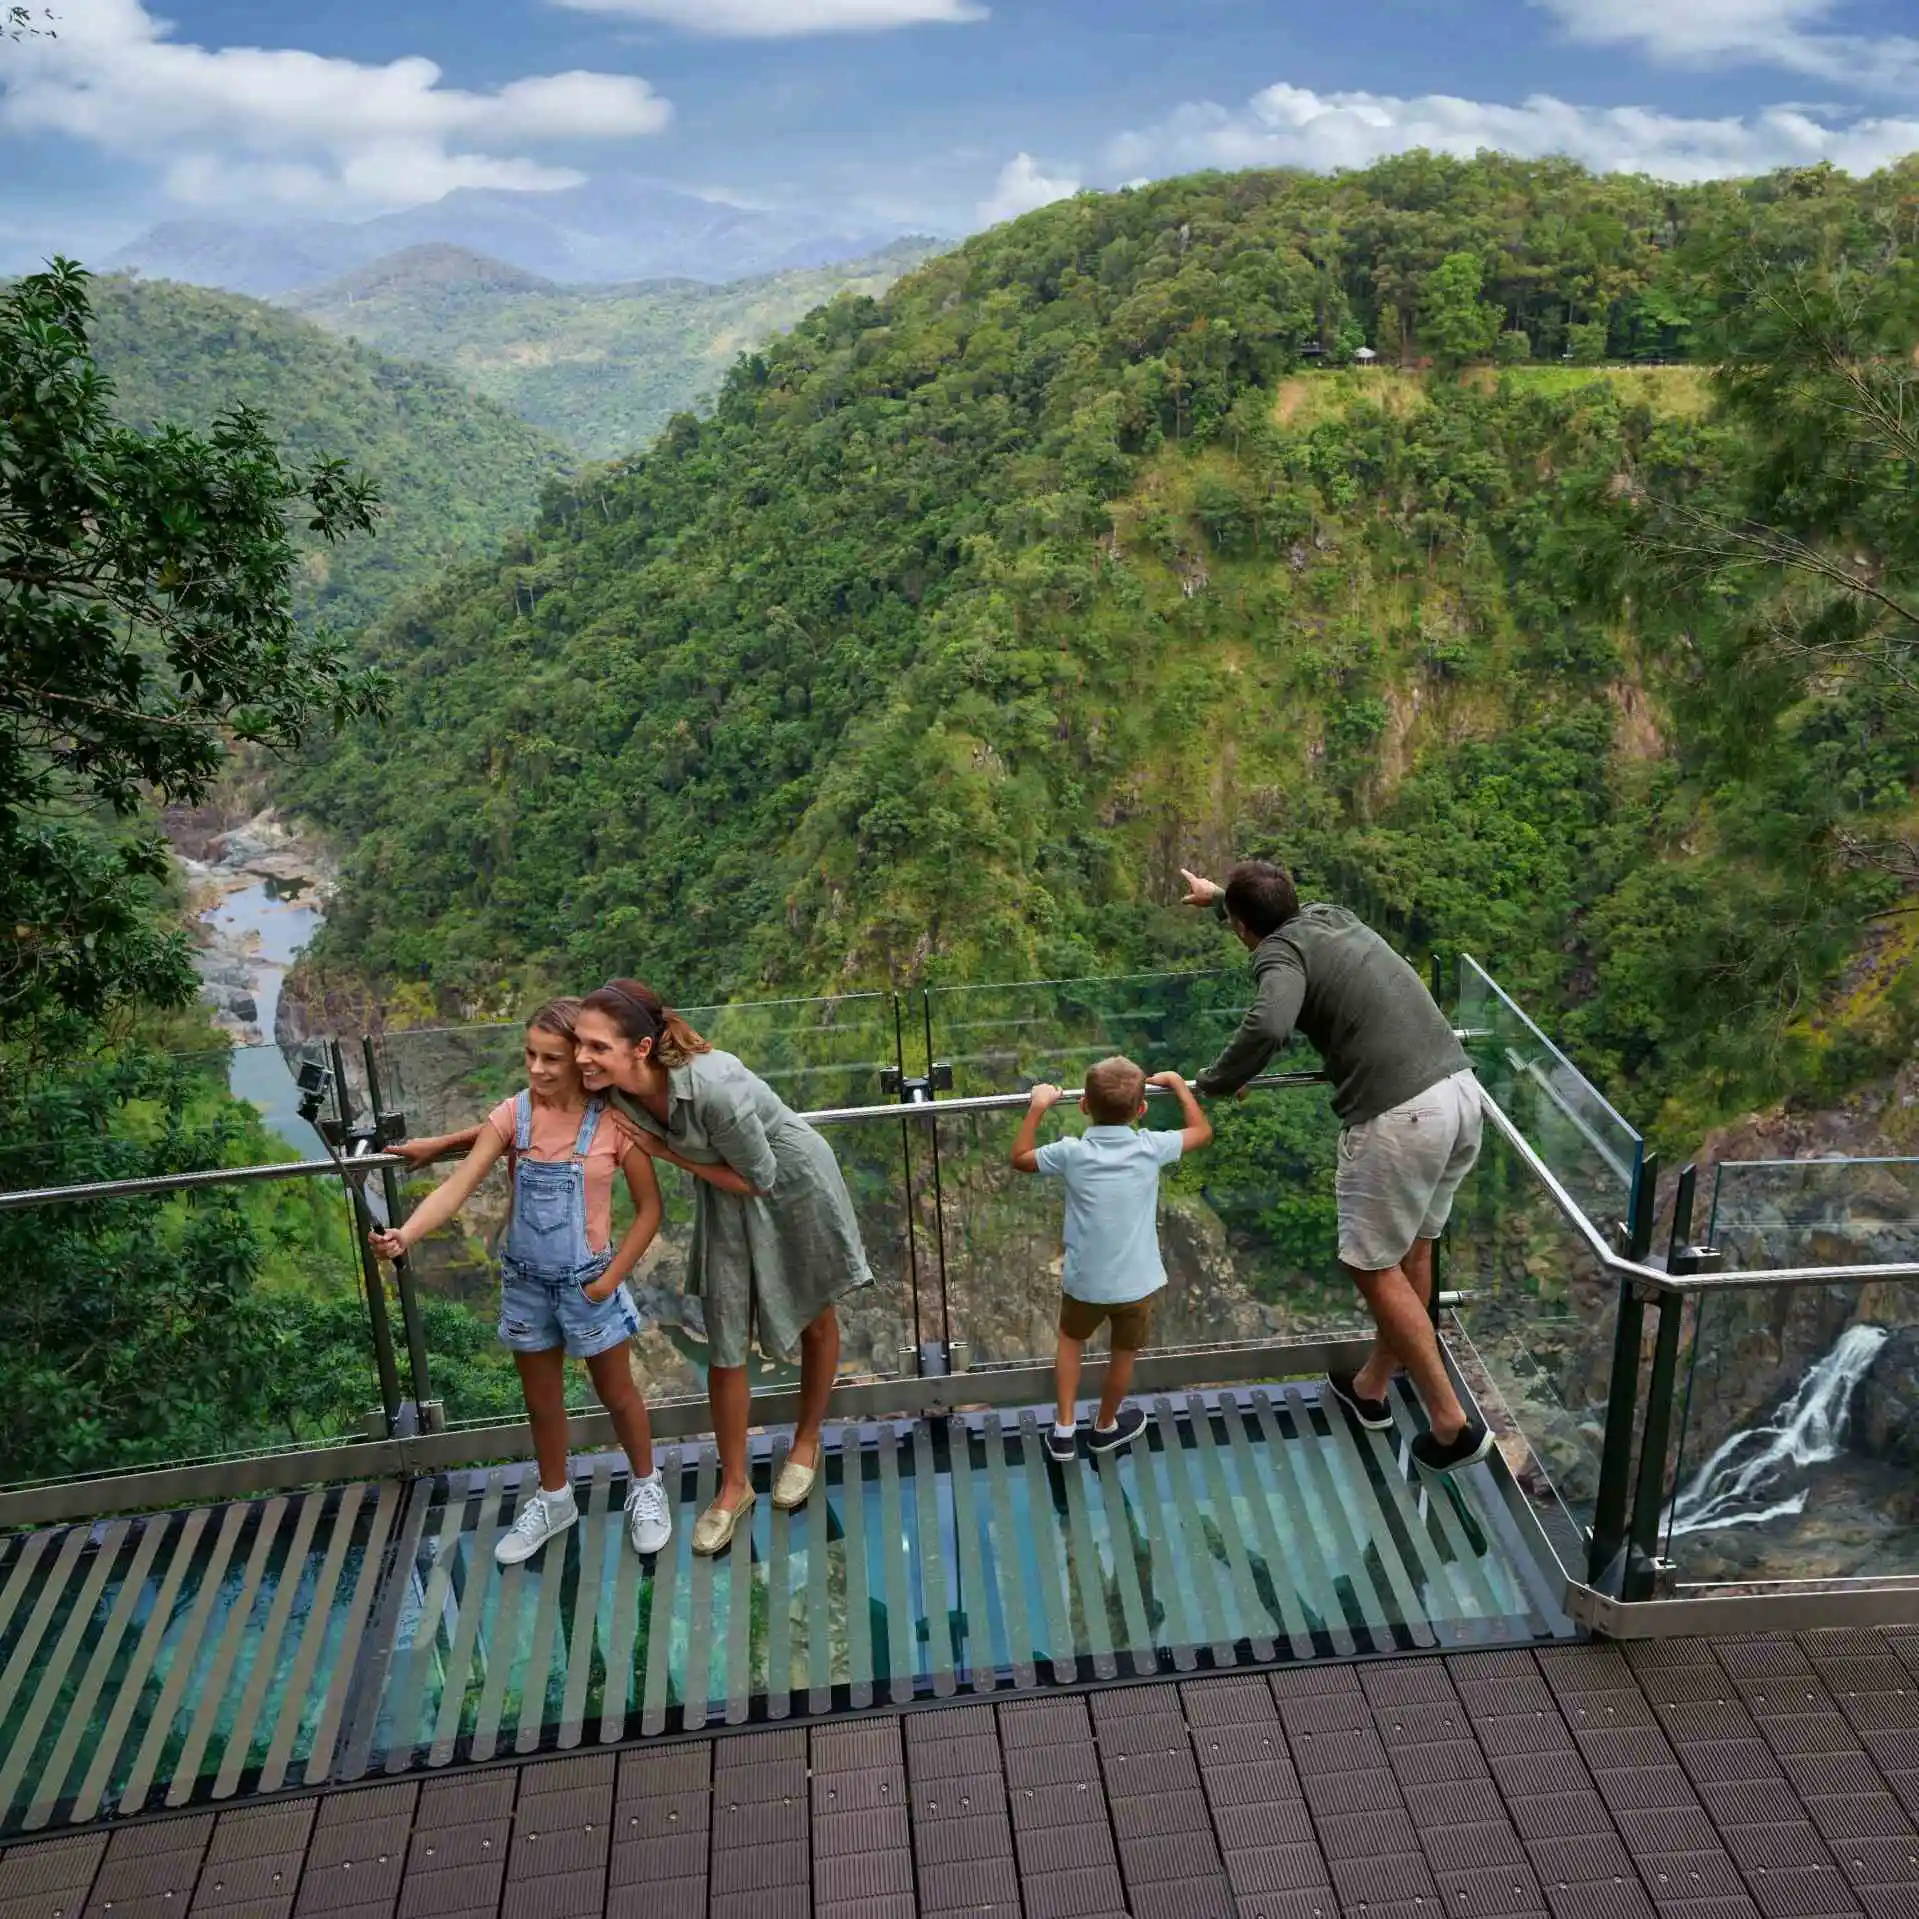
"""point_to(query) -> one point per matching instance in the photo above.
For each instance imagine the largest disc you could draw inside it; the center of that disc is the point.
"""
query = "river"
(265, 890)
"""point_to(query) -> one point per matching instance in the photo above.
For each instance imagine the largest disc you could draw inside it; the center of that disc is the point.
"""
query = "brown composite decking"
(1773, 1776)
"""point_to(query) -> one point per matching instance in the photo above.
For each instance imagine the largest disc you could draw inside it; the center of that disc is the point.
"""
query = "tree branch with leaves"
(146, 624)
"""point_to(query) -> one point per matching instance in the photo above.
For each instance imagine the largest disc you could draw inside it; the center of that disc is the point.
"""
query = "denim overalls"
(547, 1262)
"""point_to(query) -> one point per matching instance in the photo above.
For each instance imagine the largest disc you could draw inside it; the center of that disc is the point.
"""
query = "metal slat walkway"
(322, 1638)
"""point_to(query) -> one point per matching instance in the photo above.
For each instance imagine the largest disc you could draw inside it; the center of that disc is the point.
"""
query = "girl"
(774, 1238)
(562, 1285)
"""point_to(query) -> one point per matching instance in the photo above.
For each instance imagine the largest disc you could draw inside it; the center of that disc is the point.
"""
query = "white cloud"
(239, 124)
(1021, 187)
(1782, 33)
(786, 19)
(1294, 126)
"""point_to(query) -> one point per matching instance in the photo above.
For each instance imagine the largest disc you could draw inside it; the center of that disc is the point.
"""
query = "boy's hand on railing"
(1198, 1129)
(1040, 1101)
(387, 1243)
(1200, 891)
(416, 1152)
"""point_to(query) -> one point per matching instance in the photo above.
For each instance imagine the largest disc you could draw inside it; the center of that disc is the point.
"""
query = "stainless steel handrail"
(1651, 1276)
(1009, 1102)
(355, 1165)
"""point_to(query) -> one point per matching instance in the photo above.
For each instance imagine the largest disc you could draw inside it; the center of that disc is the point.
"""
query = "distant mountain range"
(611, 228)
(456, 471)
(604, 367)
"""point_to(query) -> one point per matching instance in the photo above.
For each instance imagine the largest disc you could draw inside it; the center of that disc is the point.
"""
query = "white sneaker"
(649, 1514)
(538, 1520)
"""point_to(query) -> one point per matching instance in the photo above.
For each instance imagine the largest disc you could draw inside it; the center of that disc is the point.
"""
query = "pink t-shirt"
(553, 1135)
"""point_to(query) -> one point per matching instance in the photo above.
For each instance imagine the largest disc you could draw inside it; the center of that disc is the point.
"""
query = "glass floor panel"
(266, 1644)
(151, 1662)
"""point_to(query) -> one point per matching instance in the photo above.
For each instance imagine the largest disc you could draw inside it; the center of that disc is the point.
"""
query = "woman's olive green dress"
(763, 1268)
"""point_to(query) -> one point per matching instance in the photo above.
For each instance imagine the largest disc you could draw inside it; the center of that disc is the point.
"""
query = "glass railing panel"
(169, 1651)
(1815, 1212)
(1005, 1038)
(267, 1079)
(1246, 1229)
(1799, 1415)
(818, 1054)
(154, 1329)
(1591, 1150)
(159, 1329)
(154, 1113)
(815, 1053)
(1533, 1336)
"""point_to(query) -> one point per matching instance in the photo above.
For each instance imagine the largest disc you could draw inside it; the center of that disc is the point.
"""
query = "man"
(1409, 1109)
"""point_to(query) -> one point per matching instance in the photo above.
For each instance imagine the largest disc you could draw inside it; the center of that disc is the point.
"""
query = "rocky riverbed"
(257, 893)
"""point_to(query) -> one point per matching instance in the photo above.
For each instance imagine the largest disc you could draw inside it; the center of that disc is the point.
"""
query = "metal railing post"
(898, 1079)
(383, 1359)
(1622, 1397)
(1643, 1565)
(933, 1358)
(432, 1415)
(1437, 987)
(939, 1079)
(1640, 1575)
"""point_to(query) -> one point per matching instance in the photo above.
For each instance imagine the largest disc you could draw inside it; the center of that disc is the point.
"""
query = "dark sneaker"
(1062, 1448)
(1374, 1414)
(1432, 1456)
(1126, 1428)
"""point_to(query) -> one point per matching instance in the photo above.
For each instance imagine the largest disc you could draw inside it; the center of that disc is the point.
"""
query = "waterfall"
(1740, 1484)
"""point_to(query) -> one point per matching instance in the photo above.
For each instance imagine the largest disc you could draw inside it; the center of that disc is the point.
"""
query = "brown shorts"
(1132, 1320)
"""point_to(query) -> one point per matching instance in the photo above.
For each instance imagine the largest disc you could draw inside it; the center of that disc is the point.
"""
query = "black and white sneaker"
(1062, 1448)
(1376, 1415)
(1127, 1426)
(1431, 1455)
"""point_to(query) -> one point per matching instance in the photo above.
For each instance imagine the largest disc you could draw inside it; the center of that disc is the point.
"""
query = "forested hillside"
(603, 367)
(454, 472)
(974, 612)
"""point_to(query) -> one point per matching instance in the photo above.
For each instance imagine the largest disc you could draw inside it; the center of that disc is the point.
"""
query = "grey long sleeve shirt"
(1364, 1009)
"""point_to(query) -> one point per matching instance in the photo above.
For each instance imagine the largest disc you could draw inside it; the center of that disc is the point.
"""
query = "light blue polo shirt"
(1111, 1175)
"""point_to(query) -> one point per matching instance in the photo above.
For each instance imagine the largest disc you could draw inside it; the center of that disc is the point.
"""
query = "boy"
(1113, 1269)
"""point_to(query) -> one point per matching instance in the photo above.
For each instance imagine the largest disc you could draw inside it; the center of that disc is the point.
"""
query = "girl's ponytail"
(640, 1013)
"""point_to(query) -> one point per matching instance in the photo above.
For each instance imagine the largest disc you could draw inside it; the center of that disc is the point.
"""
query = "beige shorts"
(1398, 1173)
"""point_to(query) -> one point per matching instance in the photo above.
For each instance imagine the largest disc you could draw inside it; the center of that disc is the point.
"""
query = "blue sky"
(943, 114)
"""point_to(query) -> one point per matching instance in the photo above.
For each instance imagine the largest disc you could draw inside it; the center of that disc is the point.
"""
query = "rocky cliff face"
(1885, 1413)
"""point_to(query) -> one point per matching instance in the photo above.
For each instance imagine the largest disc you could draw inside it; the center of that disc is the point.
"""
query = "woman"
(774, 1238)
(562, 1282)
